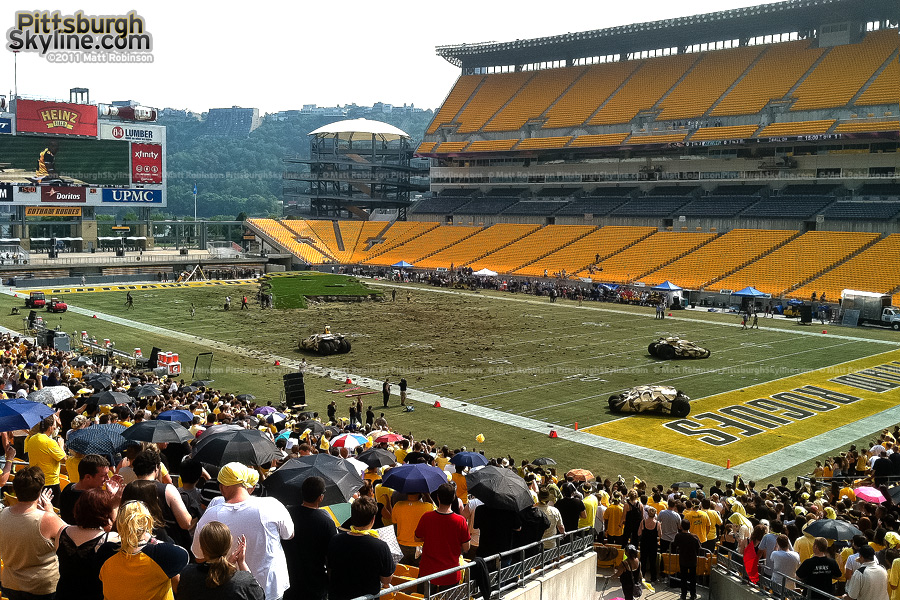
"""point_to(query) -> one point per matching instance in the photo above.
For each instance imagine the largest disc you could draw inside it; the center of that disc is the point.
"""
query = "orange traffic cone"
(348, 382)
(437, 403)
(576, 425)
(553, 434)
(277, 363)
(824, 331)
(94, 317)
(15, 295)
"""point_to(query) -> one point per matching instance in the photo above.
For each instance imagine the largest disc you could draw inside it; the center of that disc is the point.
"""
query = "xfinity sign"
(132, 196)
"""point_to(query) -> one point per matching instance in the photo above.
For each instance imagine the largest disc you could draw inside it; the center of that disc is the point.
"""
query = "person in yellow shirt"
(383, 495)
(847, 492)
(401, 451)
(657, 502)
(699, 521)
(406, 515)
(590, 506)
(614, 517)
(45, 452)
(462, 488)
(715, 522)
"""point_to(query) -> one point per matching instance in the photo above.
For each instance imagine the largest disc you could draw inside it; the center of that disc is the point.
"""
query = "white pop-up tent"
(485, 272)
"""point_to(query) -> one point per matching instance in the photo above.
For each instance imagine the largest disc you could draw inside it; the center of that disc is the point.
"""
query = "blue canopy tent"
(666, 286)
(749, 292)
(402, 264)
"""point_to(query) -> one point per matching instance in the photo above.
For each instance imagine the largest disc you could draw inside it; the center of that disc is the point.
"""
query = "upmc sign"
(130, 196)
(132, 132)
(33, 116)
(63, 194)
(146, 163)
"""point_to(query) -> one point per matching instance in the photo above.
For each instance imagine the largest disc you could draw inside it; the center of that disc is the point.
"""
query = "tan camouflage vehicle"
(660, 399)
(326, 343)
(668, 348)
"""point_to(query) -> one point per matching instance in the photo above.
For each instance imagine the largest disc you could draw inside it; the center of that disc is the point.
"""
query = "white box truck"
(873, 308)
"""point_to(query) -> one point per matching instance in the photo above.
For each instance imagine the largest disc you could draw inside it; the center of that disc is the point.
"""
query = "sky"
(287, 54)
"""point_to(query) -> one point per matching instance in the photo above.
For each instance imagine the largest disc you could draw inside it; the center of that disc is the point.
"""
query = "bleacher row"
(878, 202)
(677, 89)
(776, 262)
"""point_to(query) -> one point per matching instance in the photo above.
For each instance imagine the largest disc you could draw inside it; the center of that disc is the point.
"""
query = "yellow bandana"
(371, 532)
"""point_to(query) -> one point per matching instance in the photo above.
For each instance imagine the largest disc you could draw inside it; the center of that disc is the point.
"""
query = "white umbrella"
(53, 394)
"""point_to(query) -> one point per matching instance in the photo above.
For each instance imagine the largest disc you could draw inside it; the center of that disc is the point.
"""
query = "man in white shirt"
(263, 521)
(785, 562)
(669, 525)
(870, 580)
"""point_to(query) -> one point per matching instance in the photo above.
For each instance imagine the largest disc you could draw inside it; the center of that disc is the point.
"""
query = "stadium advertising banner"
(146, 163)
(133, 132)
(141, 196)
(33, 160)
(6, 192)
(52, 211)
(5, 125)
(64, 194)
(63, 118)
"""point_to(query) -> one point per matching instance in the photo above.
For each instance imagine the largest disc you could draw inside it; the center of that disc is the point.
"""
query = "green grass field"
(519, 356)
(291, 289)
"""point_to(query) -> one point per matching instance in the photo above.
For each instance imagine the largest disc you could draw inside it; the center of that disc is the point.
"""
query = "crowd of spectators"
(155, 519)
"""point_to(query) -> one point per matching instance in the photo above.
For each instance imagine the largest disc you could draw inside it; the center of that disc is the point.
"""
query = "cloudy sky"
(286, 54)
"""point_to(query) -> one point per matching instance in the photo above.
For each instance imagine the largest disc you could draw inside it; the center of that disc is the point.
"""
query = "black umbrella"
(109, 397)
(248, 446)
(341, 479)
(245, 397)
(147, 390)
(334, 430)
(895, 494)
(190, 389)
(83, 361)
(832, 529)
(202, 382)
(544, 460)
(377, 457)
(157, 431)
(106, 440)
(499, 488)
(314, 426)
(134, 380)
(414, 457)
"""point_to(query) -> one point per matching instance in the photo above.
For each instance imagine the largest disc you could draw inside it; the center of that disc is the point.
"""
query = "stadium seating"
(288, 238)
(595, 86)
(350, 233)
(443, 204)
(448, 147)
(716, 206)
(486, 206)
(457, 97)
(844, 71)
(546, 143)
(856, 126)
(796, 261)
(706, 82)
(884, 89)
(426, 147)
(537, 95)
(531, 247)
(535, 208)
(592, 206)
(724, 133)
(867, 211)
(397, 234)
(873, 270)
(797, 128)
(428, 243)
(649, 254)
(491, 145)
(723, 254)
(324, 230)
(666, 138)
(602, 139)
(577, 255)
(650, 207)
(369, 232)
(483, 242)
(489, 98)
(884, 191)
(779, 69)
(788, 207)
(644, 88)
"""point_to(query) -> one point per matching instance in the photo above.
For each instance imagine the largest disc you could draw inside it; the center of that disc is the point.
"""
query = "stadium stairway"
(682, 255)
(790, 93)
(556, 249)
(830, 267)
(337, 236)
(890, 61)
(752, 260)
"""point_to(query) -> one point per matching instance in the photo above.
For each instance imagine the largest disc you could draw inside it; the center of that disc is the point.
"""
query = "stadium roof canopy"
(360, 129)
(741, 23)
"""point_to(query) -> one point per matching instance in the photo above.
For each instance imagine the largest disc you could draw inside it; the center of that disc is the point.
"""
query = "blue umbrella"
(412, 479)
(105, 440)
(469, 459)
(183, 416)
(19, 413)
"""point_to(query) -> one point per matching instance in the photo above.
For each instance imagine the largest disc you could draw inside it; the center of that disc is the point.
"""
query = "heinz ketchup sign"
(34, 116)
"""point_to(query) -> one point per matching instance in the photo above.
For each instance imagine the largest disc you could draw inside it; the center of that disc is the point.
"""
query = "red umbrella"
(388, 438)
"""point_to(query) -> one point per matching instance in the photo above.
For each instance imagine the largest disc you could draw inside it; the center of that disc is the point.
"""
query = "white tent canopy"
(485, 272)
(360, 129)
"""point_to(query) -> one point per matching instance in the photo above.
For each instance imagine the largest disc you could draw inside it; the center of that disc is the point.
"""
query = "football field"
(517, 367)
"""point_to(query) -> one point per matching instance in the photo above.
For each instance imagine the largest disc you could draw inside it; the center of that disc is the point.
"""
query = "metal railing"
(774, 585)
(516, 568)
(108, 259)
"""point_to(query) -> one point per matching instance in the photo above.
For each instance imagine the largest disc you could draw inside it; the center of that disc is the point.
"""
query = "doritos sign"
(33, 116)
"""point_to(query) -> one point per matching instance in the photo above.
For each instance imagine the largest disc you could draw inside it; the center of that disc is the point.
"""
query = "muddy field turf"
(516, 354)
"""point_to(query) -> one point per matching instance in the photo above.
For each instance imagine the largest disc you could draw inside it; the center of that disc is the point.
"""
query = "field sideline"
(526, 364)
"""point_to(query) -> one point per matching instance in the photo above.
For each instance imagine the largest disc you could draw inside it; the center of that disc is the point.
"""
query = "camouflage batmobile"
(659, 399)
(326, 343)
(667, 348)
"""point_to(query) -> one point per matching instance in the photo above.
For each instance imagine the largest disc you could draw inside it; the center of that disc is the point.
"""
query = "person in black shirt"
(496, 527)
(687, 546)
(358, 563)
(403, 385)
(570, 507)
(818, 571)
(313, 531)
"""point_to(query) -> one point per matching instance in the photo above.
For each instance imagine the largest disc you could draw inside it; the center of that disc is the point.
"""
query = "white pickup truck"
(873, 308)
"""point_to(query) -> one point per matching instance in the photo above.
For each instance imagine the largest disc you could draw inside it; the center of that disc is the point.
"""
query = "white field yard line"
(513, 298)
(586, 439)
